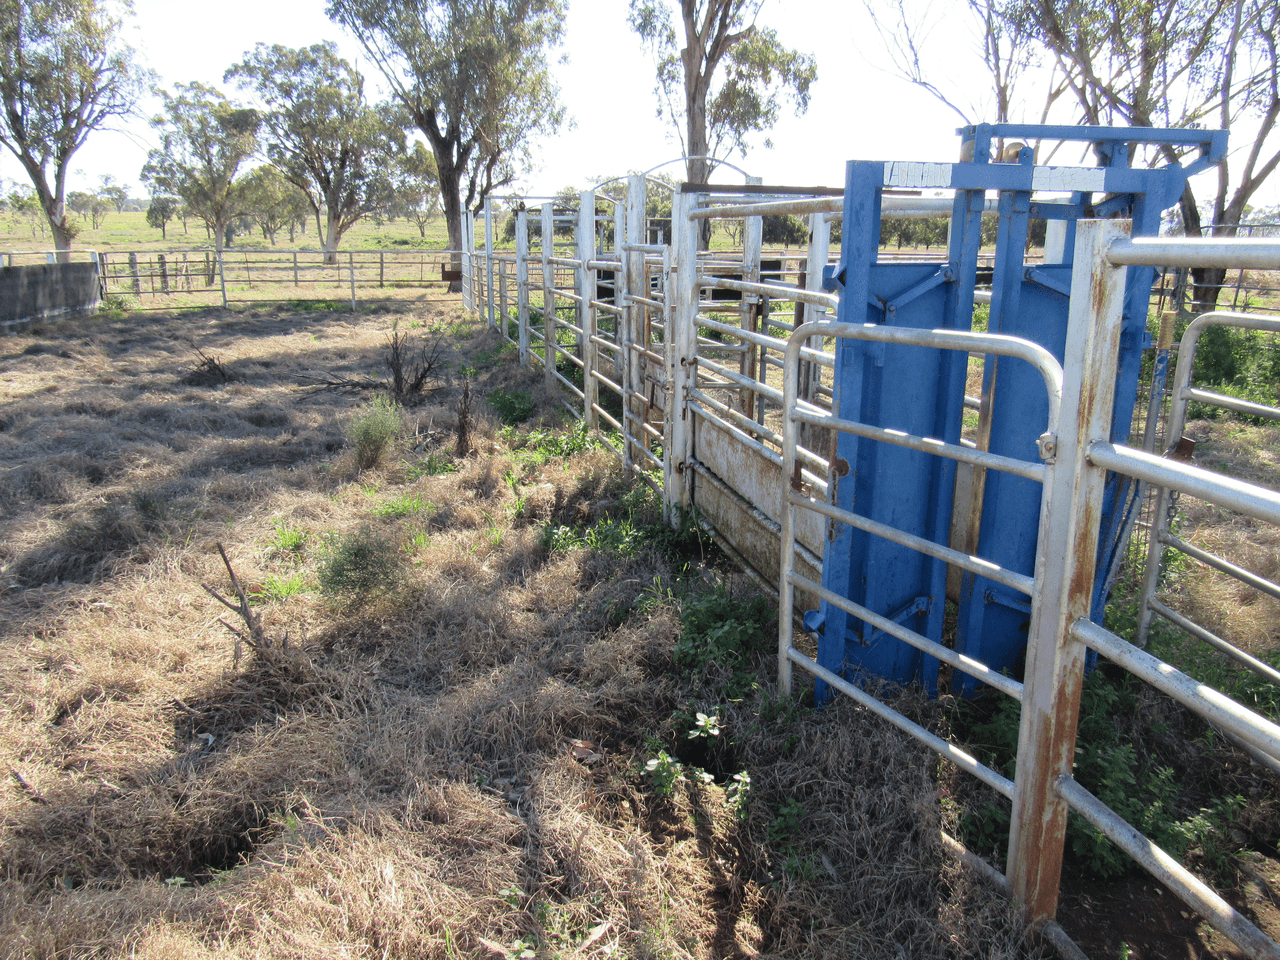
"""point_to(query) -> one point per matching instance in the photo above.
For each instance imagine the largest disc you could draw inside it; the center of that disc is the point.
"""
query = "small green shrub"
(405, 505)
(541, 446)
(373, 429)
(275, 589)
(664, 773)
(511, 406)
(1144, 793)
(435, 465)
(724, 629)
(288, 539)
(359, 564)
(737, 795)
(787, 822)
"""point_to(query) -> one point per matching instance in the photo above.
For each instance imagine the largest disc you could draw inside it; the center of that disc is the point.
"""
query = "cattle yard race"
(395, 563)
(642, 601)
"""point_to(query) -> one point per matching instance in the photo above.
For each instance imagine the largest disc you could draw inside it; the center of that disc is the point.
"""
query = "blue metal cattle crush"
(922, 392)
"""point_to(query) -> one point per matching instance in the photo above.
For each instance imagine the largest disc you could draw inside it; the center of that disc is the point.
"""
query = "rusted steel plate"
(758, 480)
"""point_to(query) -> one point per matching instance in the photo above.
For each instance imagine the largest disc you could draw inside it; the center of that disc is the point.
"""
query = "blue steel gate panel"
(922, 392)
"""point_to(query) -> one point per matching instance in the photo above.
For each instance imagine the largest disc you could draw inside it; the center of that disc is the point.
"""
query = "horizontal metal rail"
(1177, 878)
(1215, 641)
(771, 343)
(738, 423)
(1216, 707)
(978, 458)
(975, 668)
(703, 406)
(1196, 252)
(605, 416)
(1228, 492)
(997, 782)
(974, 564)
(1225, 566)
(773, 291)
(1232, 403)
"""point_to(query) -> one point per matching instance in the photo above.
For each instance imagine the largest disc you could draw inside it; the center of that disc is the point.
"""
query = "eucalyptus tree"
(1164, 63)
(473, 76)
(272, 202)
(64, 73)
(1209, 63)
(416, 188)
(721, 77)
(204, 141)
(160, 212)
(321, 134)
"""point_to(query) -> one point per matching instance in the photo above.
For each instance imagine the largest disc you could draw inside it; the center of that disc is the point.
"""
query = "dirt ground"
(448, 762)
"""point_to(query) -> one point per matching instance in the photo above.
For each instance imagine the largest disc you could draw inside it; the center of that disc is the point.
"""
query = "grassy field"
(129, 231)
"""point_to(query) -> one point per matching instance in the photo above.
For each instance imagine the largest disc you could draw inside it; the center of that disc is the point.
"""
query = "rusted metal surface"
(1064, 571)
(759, 481)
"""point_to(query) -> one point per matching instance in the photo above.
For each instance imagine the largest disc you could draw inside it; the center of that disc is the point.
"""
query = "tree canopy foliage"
(64, 73)
(728, 80)
(473, 77)
(1146, 63)
(321, 134)
(204, 140)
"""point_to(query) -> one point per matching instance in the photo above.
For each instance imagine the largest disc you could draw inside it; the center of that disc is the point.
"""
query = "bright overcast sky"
(857, 109)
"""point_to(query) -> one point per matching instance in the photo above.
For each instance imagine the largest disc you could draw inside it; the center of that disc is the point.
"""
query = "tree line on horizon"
(471, 90)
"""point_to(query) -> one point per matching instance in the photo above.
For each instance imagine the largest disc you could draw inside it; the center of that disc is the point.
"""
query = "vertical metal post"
(587, 312)
(468, 260)
(548, 296)
(682, 360)
(752, 242)
(631, 323)
(1066, 556)
(502, 300)
(810, 374)
(351, 273)
(619, 285)
(295, 268)
(522, 283)
(222, 277)
(488, 255)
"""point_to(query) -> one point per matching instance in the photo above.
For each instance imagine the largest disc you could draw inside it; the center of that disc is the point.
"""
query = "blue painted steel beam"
(922, 391)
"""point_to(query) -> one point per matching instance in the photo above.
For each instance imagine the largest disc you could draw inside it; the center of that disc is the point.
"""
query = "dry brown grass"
(406, 777)
(1229, 608)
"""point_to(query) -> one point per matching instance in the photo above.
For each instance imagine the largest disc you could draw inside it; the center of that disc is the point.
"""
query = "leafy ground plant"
(511, 406)
(359, 564)
(372, 430)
